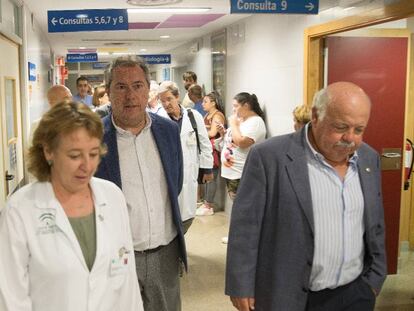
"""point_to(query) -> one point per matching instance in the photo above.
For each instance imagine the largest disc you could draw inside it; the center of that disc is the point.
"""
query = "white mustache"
(344, 144)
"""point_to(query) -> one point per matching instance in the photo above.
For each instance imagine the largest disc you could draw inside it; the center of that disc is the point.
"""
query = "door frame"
(314, 68)
(18, 123)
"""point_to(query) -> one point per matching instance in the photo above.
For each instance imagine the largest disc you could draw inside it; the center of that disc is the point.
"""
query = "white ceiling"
(132, 40)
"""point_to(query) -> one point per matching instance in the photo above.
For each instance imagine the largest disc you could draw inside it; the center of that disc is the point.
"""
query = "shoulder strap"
(194, 125)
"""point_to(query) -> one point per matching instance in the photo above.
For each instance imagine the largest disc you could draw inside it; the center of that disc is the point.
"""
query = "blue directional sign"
(100, 65)
(87, 20)
(275, 6)
(81, 58)
(32, 71)
(156, 59)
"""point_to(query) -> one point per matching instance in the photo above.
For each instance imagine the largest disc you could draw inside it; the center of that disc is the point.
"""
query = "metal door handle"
(391, 155)
(9, 177)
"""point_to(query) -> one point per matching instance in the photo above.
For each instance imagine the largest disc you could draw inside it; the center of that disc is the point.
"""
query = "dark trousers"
(158, 277)
(355, 296)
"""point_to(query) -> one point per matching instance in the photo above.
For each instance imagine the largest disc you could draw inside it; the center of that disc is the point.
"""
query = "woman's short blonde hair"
(302, 114)
(62, 119)
(98, 93)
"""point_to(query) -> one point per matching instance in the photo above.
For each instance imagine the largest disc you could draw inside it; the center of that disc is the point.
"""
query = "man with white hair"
(307, 225)
(196, 147)
(154, 104)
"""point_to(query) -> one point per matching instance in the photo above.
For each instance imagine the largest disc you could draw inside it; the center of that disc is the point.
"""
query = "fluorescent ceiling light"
(169, 10)
(152, 2)
(143, 50)
(350, 8)
(164, 37)
(121, 53)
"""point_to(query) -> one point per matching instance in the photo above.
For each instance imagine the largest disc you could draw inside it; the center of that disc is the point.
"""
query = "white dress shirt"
(338, 209)
(145, 188)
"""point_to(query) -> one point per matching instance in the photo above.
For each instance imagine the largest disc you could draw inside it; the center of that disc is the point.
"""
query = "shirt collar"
(181, 115)
(123, 132)
(319, 156)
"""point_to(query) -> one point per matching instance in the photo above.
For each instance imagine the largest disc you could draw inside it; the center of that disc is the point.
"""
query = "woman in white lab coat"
(65, 239)
(193, 159)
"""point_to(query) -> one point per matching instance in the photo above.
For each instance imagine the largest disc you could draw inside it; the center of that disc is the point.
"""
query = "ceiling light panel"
(169, 10)
(152, 2)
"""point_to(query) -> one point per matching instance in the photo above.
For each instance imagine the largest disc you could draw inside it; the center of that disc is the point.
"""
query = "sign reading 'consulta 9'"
(275, 6)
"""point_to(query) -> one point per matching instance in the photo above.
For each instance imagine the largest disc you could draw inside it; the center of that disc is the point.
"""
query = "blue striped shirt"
(338, 209)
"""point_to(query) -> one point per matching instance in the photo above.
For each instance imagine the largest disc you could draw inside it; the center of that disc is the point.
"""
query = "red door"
(379, 66)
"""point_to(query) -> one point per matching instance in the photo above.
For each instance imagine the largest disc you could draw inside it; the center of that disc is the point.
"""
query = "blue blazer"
(271, 239)
(167, 138)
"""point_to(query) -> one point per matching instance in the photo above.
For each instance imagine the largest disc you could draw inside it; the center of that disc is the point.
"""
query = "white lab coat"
(42, 267)
(192, 160)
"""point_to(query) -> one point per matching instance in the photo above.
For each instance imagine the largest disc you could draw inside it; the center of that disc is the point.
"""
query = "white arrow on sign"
(309, 6)
(54, 21)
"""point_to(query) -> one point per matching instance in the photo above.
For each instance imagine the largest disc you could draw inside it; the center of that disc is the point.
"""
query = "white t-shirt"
(234, 157)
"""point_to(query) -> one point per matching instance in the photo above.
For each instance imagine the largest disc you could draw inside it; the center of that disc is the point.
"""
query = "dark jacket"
(271, 240)
(167, 138)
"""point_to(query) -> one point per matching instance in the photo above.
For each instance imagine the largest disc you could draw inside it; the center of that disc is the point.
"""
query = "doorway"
(377, 61)
(11, 147)
(313, 56)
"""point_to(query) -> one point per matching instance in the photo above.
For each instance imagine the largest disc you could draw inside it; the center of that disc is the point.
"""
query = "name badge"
(119, 264)
(191, 139)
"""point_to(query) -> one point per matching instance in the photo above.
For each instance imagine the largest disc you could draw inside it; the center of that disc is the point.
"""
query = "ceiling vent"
(152, 2)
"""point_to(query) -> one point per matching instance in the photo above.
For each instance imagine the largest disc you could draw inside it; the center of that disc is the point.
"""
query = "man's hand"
(208, 177)
(243, 303)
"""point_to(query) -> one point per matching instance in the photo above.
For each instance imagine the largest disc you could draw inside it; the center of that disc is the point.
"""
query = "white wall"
(37, 51)
(202, 63)
(183, 57)
(268, 63)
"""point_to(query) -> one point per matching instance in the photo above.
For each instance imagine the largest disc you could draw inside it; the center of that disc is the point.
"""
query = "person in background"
(195, 93)
(154, 104)
(196, 149)
(213, 107)
(100, 97)
(56, 94)
(301, 116)
(145, 160)
(307, 225)
(189, 78)
(66, 241)
(83, 96)
(100, 101)
(246, 127)
(90, 89)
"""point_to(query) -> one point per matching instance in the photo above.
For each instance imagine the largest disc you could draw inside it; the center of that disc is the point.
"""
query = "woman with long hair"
(213, 107)
(246, 127)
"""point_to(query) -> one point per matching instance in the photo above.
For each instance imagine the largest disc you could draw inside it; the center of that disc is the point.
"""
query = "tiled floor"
(203, 287)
